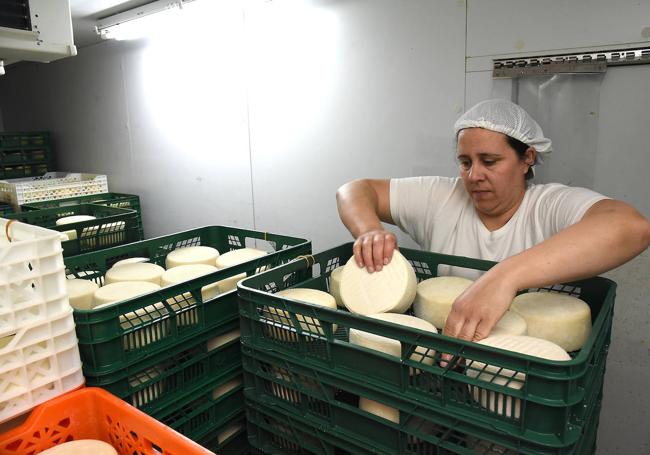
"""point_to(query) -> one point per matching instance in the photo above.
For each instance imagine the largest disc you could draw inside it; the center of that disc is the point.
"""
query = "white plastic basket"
(32, 276)
(37, 363)
(53, 185)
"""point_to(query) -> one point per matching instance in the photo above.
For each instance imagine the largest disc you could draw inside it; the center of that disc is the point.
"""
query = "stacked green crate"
(110, 226)
(5, 209)
(25, 155)
(118, 200)
(170, 353)
(303, 378)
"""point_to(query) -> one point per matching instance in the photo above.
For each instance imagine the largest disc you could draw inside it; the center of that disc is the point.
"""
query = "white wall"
(332, 91)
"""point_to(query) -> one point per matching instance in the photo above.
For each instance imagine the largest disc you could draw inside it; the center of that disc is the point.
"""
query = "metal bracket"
(580, 63)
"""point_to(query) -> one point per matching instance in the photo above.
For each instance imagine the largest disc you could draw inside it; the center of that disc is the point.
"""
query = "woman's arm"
(609, 234)
(363, 205)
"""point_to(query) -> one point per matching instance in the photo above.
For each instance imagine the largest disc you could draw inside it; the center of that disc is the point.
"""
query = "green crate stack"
(25, 155)
(6, 209)
(322, 374)
(118, 200)
(170, 353)
(111, 226)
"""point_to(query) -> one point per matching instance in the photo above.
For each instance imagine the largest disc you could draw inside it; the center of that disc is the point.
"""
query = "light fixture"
(139, 22)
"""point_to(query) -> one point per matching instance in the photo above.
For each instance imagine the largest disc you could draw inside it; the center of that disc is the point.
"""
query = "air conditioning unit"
(35, 30)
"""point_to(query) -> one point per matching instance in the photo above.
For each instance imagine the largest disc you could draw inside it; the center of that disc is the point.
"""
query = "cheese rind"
(192, 255)
(130, 261)
(214, 343)
(188, 272)
(117, 292)
(435, 297)
(81, 447)
(390, 290)
(225, 388)
(81, 293)
(559, 318)
(500, 403)
(239, 256)
(510, 324)
(379, 409)
(335, 285)
(307, 323)
(394, 347)
(74, 219)
(143, 271)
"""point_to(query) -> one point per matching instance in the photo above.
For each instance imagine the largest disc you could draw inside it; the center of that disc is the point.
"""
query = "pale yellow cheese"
(312, 296)
(379, 409)
(117, 292)
(500, 403)
(221, 340)
(228, 432)
(510, 324)
(232, 258)
(130, 261)
(150, 393)
(81, 447)
(135, 272)
(335, 285)
(188, 272)
(435, 297)
(394, 347)
(74, 219)
(390, 290)
(225, 388)
(81, 293)
(560, 318)
(192, 255)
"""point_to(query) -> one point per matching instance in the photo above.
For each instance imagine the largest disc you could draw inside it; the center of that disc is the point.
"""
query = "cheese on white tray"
(390, 290)
(192, 255)
(142, 271)
(435, 297)
(560, 318)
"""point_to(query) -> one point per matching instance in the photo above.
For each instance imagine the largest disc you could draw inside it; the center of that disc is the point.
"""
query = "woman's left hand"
(477, 310)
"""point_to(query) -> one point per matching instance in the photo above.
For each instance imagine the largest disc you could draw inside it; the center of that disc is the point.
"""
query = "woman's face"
(493, 174)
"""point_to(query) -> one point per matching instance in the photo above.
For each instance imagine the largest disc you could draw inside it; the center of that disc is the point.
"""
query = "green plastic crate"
(21, 140)
(167, 378)
(330, 400)
(113, 338)
(111, 227)
(119, 200)
(236, 444)
(554, 397)
(199, 419)
(6, 209)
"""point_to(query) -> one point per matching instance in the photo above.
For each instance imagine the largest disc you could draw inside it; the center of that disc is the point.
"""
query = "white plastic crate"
(32, 276)
(53, 185)
(37, 363)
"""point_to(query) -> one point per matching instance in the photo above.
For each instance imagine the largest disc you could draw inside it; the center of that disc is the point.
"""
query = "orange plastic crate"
(93, 413)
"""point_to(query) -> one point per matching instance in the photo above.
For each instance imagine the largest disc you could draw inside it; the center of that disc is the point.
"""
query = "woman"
(541, 234)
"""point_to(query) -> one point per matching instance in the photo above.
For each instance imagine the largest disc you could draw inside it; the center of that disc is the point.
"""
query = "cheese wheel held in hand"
(435, 297)
(559, 318)
(390, 290)
(335, 285)
(510, 324)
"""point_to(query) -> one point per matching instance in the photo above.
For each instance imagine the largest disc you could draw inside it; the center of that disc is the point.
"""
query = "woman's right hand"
(374, 249)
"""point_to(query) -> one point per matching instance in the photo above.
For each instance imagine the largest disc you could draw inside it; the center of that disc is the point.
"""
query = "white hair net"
(506, 117)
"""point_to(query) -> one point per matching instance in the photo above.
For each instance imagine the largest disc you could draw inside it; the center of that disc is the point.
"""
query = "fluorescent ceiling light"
(140, 22)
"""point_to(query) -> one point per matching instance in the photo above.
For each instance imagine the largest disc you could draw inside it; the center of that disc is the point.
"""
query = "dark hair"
(520, 148)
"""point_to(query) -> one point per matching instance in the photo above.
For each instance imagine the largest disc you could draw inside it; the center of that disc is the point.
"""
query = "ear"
(529, 157)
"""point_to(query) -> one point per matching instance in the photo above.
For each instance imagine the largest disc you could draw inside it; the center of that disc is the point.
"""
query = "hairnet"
(506, 117)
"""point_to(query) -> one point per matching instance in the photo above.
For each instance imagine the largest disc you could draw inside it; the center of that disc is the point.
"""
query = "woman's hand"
(374, 249)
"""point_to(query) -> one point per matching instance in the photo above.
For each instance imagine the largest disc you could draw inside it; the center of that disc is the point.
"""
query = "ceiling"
(85, 13)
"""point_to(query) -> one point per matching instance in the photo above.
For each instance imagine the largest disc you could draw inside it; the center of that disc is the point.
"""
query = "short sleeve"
(415, 203)
(563, 206)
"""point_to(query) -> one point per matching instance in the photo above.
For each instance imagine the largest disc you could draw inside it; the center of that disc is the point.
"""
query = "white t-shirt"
(440, 216)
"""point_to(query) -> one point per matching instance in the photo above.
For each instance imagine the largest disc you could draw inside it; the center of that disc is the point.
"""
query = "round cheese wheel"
(510, 324)
(187, 272)
(394, 347)
(81, 293)
(64, 237)
(335, 285)
(216, 342)
(498, 402)
(230, 283)
(307, 323)
(81, 447)
(117, 292)
(149, 393)
(74, 219)
(191, 255)
(135, 272)
(435, 297)
(225, 388)
(130, 261)
(379, 409)
(560, 318)
(239, 256)
(391, 290)
(228, 432)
